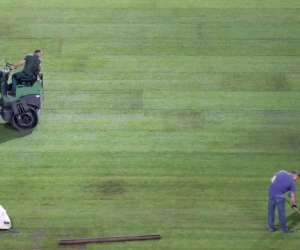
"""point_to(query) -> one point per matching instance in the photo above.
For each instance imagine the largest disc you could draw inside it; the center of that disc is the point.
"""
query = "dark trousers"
(16, 76)
(278, 202)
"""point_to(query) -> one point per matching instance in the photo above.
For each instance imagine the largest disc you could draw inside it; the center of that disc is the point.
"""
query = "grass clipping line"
(109, 239)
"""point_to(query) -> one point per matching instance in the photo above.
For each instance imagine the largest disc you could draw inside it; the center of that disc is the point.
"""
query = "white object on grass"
(4, 219)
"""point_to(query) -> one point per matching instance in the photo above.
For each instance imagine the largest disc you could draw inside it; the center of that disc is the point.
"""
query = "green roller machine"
(23, 108)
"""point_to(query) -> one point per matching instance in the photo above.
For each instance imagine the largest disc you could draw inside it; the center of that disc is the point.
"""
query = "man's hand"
(18, 64)
(294, 206)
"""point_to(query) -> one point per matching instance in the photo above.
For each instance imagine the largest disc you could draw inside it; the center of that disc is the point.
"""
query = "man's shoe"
(288, 230)
(273, 229)
(11, 92)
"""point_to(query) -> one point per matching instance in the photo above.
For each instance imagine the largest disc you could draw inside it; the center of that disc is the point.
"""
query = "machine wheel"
(27, 121)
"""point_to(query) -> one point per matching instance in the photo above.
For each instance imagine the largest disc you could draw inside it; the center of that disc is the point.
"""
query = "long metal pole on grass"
(109, 239)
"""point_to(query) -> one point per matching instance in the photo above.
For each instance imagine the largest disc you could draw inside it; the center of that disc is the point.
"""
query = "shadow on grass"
(8, 133)
(293, 219)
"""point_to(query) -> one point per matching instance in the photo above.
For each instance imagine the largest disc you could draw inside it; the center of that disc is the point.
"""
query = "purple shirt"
(283, 183)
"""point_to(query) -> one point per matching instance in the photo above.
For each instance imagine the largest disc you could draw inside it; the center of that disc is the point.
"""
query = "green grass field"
(160, 117)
